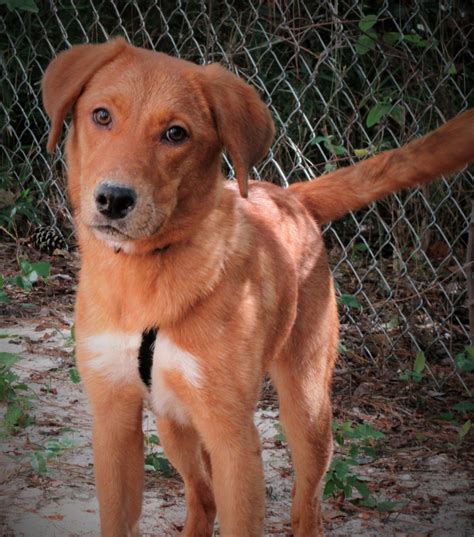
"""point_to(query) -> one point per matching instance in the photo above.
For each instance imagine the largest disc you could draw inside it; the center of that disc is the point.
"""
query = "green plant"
(14, 207)
(154, 461)
(70, 342)
(369, 37)
(458, 411)
(465, 360)
(356, 441)
(383, 109)
(280, 435)
(52, 449)
(74, 375)
(3, 295)
(350, 301)
(30, 273)
(71, 339)
(17, 396)
(158, 463)
(335, 150)
(416, 374)
(463, 431)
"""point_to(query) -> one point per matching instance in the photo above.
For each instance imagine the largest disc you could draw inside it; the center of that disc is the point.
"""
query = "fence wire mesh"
(343, 80)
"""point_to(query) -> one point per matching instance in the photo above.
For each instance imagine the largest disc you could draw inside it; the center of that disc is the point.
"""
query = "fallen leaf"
(57, 516)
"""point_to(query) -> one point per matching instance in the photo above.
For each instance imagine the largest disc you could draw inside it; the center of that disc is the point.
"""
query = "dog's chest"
(135, 358)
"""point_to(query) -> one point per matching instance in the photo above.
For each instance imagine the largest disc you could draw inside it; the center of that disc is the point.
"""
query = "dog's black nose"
(114, 201)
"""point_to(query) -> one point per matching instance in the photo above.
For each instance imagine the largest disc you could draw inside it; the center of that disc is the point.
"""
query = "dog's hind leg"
(185, 451)
(305, 414)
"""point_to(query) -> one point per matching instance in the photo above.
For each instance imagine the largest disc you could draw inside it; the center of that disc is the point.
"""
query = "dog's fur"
(237, 287)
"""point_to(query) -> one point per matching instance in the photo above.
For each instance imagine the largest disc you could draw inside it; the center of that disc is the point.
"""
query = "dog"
(191, 287)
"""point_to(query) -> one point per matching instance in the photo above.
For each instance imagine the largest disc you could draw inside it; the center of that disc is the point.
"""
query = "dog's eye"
(102, 117)
(175, 135)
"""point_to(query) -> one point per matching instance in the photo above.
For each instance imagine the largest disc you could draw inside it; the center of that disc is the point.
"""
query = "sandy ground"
(433, 489)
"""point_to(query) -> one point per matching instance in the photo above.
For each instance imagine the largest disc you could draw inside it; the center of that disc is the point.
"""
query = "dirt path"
(433, 490)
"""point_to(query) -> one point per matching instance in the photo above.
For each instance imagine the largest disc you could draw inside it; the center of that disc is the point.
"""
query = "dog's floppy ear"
(67, 75)
(243, 122)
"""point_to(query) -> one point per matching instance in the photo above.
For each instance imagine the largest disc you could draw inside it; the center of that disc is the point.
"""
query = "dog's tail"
(445, 150)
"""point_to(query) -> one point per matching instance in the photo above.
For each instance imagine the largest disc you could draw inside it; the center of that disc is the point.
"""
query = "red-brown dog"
(189, 292)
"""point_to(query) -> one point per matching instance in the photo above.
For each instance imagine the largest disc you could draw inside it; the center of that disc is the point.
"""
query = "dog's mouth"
(111, 231)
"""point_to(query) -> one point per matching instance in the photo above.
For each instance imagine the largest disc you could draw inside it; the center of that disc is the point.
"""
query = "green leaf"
(465, 360)
(377, 113)
(368, 22)
(328, 167)
(362, 488)
(452, 69)
(25, 267)
(318, 139)
(368, 502)
(350, 301)
(63, 430)
(38, 462)
(353, 451)
(22, 5)
(334, 149)
(341, 469)
(329, 489)
(416, 39)
(406, 375)
(464, 430)
(7, 359)
(341, 348)
(42, 268)
(74, 375)
(337, 150)
(447, 416)
(153, 439)
(361, 246)
(364, 44)
(464, 406)
(365, 431)
(391, 38)
(13, 415)
(33, 276)
(420, 362)
(359, 153)
(347, 489)
(159, 463)
(398, 114)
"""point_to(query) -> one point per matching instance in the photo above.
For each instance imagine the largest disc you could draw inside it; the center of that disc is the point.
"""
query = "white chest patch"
(169, 357)
(114, 356)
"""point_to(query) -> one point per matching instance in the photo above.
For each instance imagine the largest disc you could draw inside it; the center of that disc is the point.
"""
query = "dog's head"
(147, 135)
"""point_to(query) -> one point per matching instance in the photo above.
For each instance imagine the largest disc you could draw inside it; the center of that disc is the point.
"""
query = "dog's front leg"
(118, 452)
(119, 469)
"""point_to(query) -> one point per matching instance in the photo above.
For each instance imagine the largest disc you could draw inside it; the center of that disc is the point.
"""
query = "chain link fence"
(344, 80)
